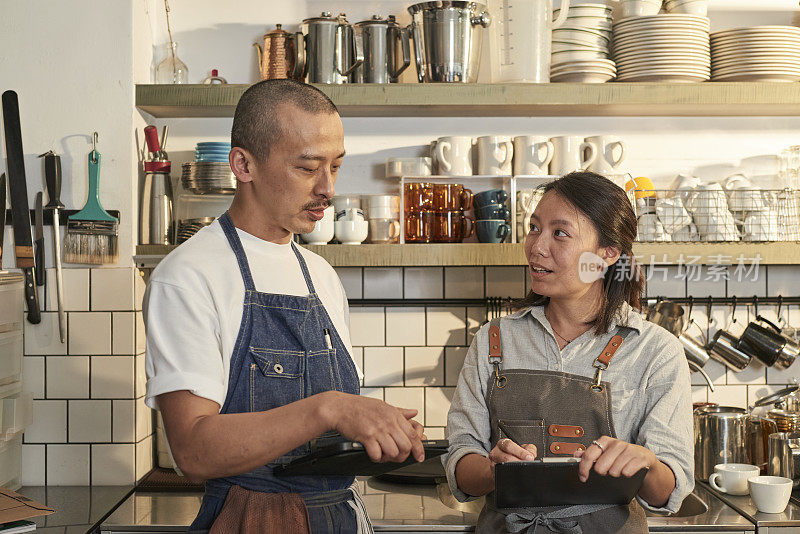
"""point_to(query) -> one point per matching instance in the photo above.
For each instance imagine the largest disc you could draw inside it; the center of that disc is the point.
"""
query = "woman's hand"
(615, 458)
(508, 451)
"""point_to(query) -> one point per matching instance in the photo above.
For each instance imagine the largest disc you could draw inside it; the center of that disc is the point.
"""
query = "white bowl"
(563, 46)
(696, 7)
(351, 232)
(640, 8)
(770, 494)
(577, 55)
(588, 37)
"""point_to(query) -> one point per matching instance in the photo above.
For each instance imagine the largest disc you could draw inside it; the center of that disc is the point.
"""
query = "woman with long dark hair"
(575, 372)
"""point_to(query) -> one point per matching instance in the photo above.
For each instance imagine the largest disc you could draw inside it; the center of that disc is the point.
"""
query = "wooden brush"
(92, 232)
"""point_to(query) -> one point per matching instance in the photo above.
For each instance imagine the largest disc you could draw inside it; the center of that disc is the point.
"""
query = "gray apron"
(560, 413)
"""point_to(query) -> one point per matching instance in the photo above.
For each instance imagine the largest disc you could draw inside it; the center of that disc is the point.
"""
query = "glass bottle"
(172, 69)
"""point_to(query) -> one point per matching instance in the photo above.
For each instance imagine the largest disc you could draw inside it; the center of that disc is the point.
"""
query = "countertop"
(743, 504)
(77, 508)
(392, 508)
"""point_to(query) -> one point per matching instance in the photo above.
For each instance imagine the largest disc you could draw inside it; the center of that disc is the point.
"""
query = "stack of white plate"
(759, 53)
(208, 177)
(580, 46)
(662, 48)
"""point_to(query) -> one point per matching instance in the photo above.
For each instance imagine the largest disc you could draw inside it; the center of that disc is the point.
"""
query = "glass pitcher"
(519, 42)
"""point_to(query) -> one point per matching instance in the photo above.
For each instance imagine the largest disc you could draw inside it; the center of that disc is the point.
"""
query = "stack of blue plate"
(212, 151)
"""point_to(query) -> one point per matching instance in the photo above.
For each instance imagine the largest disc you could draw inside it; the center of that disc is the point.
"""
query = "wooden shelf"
(482, 254)
(554, 99)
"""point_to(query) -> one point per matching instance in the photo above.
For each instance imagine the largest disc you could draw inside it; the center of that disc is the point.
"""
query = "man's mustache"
(319, 205)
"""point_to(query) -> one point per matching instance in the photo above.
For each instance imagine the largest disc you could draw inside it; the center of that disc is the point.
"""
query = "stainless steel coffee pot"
(447, 39)
(333, 49)
(721, 436)
(784, 456)
(382, 62)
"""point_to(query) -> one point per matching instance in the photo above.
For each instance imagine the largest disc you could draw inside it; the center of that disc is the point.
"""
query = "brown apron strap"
(496, 351)
(601, 362)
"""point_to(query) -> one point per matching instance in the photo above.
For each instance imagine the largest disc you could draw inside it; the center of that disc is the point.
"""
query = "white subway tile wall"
(90, 422)
(392, 335)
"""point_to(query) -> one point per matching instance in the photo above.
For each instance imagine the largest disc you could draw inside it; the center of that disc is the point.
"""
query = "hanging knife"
(2, 215)
(23, 247)
(52, 175)
(38, 239)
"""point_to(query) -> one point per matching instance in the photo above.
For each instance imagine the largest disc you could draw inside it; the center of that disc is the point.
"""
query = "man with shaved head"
(248, 348)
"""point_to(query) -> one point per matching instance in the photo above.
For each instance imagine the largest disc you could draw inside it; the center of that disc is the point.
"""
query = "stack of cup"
(491, 216)
(711, 214)
(419, 214)
(350, 226)
(323, 229)
(383, 213)
(450, 225)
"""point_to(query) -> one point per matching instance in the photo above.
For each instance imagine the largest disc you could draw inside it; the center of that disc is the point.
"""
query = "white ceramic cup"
(687, 233)
(383, 212)
(610, 153)
(343, 202)
(639, 8)
(453, 155)
(350, 214)
(672, 214)
(707, 199)
(382, 206)
(351, 232)
(384, 230)
(532, 154)
(323, 229)
(649, 228)
(684, 184)
(732, 478)
(495, 153)
(760, 226)
(770, 494)
(571, 153)
(397, 167)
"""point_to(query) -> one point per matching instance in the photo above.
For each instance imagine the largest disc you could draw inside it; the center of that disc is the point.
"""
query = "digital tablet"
(349, 458)
(556, 483)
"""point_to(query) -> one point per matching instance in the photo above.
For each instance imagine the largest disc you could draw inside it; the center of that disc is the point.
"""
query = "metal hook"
(708, 309)
(755, 304)
(94, 147)
(733, 310)
(780, 305)
(691, 305)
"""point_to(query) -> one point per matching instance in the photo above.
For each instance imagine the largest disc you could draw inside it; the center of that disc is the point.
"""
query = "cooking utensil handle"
(299, 69)
(404, 34)
(151, 136)
(38, 261)
(773, 325)
(693, 366)
(417, 54)
(32, 296)
(358, 48)
(712, 480)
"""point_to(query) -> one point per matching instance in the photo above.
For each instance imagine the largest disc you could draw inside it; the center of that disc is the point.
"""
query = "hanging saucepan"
(725, 349)
(769, 346)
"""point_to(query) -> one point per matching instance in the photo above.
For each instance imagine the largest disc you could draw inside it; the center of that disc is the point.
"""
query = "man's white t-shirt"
(194, 302)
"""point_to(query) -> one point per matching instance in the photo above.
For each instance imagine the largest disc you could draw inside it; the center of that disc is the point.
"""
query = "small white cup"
(323, 229)
(770, 494)
(383, 212)
(610, 153)
(532, 154)
(639, 8)
(350, 214)
(760, 226)
(343, 202)
(672, 214)
(687, 233)
(570, 154)
(351, 232)
(651, 229)
(397, 167)
(732, 478)
(453, 155)
(495, 153)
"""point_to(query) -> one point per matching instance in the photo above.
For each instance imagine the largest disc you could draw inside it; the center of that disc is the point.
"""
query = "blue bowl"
(220, 159)
(212, 152)
(214, 144)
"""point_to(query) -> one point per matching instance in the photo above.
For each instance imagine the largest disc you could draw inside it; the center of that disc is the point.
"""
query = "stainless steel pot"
(333, 50)
(784, 456)
(447, 39)
(720, 436)
(725, 349)
(668, 315)
(769, 346)
(382, 62)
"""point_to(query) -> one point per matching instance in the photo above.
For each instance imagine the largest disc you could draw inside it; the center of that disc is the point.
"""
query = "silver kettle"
(333, 50)
(784, 456)
(382, 60)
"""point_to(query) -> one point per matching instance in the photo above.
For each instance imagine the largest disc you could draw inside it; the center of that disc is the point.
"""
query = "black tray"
(348, 458)
(537, 483)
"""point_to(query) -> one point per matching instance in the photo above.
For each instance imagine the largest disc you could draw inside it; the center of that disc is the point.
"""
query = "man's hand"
(388, 433)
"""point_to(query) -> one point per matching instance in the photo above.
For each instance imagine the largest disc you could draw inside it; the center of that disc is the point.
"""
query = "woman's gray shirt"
(649, 378)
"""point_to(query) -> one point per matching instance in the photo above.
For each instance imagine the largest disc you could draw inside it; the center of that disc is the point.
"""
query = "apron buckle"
(598, 375)
(500, 380)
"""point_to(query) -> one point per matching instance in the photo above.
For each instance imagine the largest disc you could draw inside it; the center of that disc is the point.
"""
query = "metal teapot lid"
(277, 32)
(775, 397)
(377, 19)
(325, 16)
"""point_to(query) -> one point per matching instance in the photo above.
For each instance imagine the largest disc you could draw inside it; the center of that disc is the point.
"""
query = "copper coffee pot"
(283, 55)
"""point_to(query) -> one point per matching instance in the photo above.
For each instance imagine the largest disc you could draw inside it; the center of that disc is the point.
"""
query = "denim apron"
(281, 356)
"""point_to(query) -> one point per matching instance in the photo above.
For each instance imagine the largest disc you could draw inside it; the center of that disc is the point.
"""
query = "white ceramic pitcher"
(519, 40)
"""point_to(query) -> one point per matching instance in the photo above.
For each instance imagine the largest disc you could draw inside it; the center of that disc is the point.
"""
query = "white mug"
(770, 494)
(343, 202)
(639, 8)
(707, 199)
(350, 214)
(323, 230)
(570, 154)
(760, 226)
(732, 478)
(649, 228)
(687, 233)
(454, 155)
(606, 147)
(384, 230)
(532, 154)
(684, 184)
(397, 167)
(672, 214)
(495, 153)
(351, 232)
